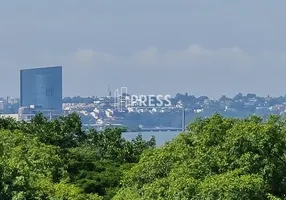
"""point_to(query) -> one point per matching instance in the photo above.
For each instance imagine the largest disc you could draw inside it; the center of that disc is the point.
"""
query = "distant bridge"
(161, 129)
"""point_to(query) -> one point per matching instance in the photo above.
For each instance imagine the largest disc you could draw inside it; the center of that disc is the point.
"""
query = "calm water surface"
(161, 137)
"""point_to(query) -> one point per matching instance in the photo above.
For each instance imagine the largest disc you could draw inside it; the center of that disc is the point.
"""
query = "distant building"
(1, 105)
(28, 113)
(41, 87)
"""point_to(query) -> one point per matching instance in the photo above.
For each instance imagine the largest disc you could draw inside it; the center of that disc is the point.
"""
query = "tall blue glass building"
(41, 87)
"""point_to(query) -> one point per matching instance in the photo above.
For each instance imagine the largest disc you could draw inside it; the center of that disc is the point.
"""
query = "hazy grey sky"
(203, 47)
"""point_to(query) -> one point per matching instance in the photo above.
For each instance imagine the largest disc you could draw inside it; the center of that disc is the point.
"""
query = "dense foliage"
(218, 158)
(57, 160)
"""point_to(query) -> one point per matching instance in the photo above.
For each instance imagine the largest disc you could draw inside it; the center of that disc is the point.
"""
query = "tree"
(30, 169)
(65, 132)
(239, 96)
(57, 160)
(218, 158)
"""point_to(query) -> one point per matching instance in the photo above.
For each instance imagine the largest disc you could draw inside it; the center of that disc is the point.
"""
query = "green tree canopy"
(30, 169)
(57, 160)
(217, 158)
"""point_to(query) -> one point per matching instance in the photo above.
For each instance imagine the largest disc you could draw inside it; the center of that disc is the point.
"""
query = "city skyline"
(152, 47)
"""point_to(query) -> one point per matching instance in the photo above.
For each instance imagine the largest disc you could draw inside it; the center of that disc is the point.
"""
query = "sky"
(202, 47)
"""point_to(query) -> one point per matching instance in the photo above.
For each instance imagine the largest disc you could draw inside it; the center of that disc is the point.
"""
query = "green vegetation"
(57, 160)
(217, 158)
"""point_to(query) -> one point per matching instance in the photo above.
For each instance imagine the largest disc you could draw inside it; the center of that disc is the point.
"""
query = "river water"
(161, 137)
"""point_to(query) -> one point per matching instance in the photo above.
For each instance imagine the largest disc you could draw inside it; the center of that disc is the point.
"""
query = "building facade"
(41, 87)
(28, 113)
